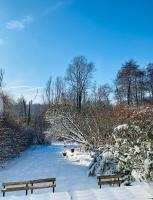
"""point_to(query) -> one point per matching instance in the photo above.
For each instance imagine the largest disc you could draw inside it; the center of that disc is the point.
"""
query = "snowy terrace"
(72, 182)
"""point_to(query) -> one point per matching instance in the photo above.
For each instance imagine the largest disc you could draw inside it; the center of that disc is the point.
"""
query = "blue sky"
(39, 38)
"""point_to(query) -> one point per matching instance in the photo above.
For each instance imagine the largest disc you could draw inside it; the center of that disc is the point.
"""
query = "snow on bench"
(46, 196)
(126, 193)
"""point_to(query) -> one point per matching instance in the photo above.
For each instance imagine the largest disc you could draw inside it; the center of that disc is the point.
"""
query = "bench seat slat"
(108, 182)
(41, 187)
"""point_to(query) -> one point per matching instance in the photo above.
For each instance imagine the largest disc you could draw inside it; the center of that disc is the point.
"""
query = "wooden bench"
(28, 185)
(109, 180)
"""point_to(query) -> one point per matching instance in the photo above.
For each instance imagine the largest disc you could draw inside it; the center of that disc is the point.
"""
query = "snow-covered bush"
(134, 151)
(103, 163)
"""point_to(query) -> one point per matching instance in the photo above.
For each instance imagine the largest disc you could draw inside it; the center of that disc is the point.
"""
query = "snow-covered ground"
(44, 196)
(43, 161)
(78, 157)
(71, 172)
(113, 193)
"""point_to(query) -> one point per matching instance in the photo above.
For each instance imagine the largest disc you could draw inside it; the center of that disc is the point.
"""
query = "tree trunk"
(129, 93)
(80, 100)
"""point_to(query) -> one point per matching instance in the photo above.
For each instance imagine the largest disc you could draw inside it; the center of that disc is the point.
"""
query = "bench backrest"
(15, 183)
(28, 182)
(108, 179)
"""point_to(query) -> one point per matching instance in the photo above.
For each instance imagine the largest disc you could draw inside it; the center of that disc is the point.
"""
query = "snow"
(46, 196)
(44, 161)
(125, 127)
(78, 157)
(137, 149)
(112, 193)
(121, 127)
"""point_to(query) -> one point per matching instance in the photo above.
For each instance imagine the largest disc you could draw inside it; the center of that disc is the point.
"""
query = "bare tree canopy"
(79, 75)
(49, 91)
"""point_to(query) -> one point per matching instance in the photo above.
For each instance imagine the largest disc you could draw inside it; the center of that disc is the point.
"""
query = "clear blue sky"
(39, 38)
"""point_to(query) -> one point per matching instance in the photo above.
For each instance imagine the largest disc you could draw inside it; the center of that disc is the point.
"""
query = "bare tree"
(49, 91)
(94, 97)
(91, 127)
(22, 109)
(59, 89)
(79, 74)
(104, 93)
(62, 125)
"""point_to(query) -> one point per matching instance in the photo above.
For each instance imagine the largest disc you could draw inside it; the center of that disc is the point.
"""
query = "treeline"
(132, 85)
(77, 101)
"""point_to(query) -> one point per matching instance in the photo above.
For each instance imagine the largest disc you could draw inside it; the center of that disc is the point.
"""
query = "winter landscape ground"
(42, 161)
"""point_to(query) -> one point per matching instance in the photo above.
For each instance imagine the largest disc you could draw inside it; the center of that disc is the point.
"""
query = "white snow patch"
(121, 127)
(78, 157)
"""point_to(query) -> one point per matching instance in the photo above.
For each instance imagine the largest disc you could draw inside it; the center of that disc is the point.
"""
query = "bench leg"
(113, 182)
(32, 189)
(99, 181)
(53, 187)
(119, 182)
(26, 190)
(3, 194)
